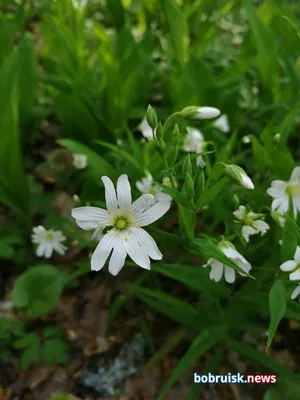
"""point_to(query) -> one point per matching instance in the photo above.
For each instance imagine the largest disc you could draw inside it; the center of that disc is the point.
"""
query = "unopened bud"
(151, 117)
(194, 112)
(76, 199)
(276, 138)
(189, 186)
(187, 167)
(159, 132)
(238, 175)
(176, 136)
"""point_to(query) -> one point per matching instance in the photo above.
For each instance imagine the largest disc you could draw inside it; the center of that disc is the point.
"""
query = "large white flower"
(252, 223)
(146, 186)
(126, 219)
(79, 161)
(293, 265)
(281, 190)
(222, 123)
(48, 241)
(218, 268)
(194, 142)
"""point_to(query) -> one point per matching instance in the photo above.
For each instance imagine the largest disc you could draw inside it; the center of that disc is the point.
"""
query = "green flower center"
(49, 236)
(292, 190)
(121, 222)
(153, 191)
(248, 220)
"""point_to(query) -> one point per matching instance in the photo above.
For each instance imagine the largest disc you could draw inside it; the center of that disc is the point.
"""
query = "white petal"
(40, 250)
(297, 254)
(147, 243)
(279, 185)
(103, 250)
(229, 274)
(216, 271)
(261, 226)
(117, 259)
(207, 112)
(295, 176)
(246, 182)
(135, 252)
(222, 123)
(60, 248)
(280, 204)
(295, 276)
(142, 204)
(295, 293)
(288, 265)
(248, 230)
(90, 217)
(240, 212)
(200, 162)
(124, 193)
(48, 250)
(110, 194)
(242, 263)
(152, 214)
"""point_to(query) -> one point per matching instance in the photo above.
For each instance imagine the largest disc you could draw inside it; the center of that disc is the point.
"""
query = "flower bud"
(176, 136)
(159, 132)
(189, 186)
(187, 167)
(151, 117)
(76, 199)
(278, 218)
(238, 175)
(200, 183)
(194, 112)
(276, 138)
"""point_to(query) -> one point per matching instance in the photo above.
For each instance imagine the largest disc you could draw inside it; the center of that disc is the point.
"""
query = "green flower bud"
(176, 136)
(200, 183)
(189, 186)
(187, 167)
(151, 117)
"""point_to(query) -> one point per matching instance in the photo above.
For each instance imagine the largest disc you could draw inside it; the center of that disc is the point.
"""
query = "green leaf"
(31, 355)
(266, 47)
(116, 10)
(202, 343)
(176, 195)
(55, 351)
(173, 308)
(277, 305)
(177, 29)
(260, 154)
(38, 289)
(26, 341)
(209, 194)
(121, 153)
(255, 356)
(193, 277)
(28, 77)
(97, 163)
(210, 250)
(13, 180)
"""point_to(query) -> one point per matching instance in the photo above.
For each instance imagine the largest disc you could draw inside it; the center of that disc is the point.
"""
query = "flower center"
(121, 222)
(292, 190)
(153, 191)
(248, 220)
(49, 236)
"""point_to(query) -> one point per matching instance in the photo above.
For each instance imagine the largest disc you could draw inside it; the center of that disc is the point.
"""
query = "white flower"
(237, 40)
(79, 3)
(126, 219)
(195, 113)
(218, 268)
(281, 190)
(293, 265)
(194, 142)
(252, 223)
(146, 130)
(146, 186)
(222, 123)
(295, 293)
(48, 240)
(79, 161)
(246, 139)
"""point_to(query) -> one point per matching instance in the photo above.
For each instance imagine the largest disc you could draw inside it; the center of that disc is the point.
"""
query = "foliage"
(76, 77)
